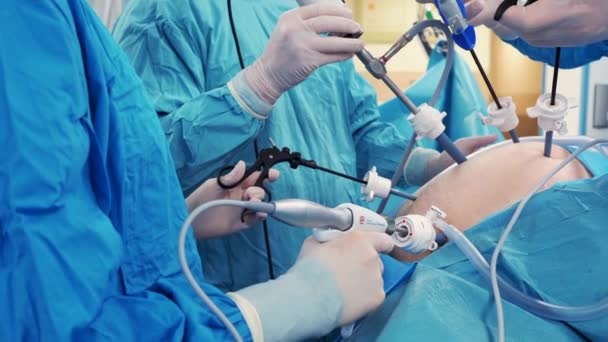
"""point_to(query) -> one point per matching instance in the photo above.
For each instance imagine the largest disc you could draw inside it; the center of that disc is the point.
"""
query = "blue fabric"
(91, 206)
(185, 53)
(395, 272)
(571, 57)
(556, 252)
(593, 160)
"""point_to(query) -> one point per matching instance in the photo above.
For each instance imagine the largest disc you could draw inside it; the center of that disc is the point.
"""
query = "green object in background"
(428, 13)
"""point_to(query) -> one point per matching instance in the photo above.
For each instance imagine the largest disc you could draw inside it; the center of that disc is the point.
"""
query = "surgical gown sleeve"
(571, 57)
(378, 143)
(75, 266)
(204, 127)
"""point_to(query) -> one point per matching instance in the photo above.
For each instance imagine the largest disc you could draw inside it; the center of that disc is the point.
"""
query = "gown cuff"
(414, 171)
(247, 99)
(303, 303)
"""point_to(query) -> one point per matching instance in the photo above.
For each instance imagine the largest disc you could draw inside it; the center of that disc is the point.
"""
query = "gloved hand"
(549, 23)
(297, 48)
(331, 284)
(356, 267)
(226, 220)
(440, 162)
(474, 8)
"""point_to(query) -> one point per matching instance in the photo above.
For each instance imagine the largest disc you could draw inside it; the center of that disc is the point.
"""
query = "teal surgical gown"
(90, 206)
(556, 252)
(185, 53)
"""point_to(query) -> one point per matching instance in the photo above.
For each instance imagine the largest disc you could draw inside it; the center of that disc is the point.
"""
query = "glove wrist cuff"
(259, 79)
(247, 98)
(306, 302)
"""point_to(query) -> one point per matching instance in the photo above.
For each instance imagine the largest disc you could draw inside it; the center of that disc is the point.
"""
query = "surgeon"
(228, 76)
(579, 27)
(90, 208)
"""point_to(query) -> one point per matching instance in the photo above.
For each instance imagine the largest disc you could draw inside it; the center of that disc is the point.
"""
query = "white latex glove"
(474, 9)
(331, 284)
(548, 23)
(356, 266)
(442, 161)
(226, 220)
(297, 48)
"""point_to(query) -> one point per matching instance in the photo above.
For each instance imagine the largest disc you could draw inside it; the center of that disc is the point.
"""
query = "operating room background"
(511, 73)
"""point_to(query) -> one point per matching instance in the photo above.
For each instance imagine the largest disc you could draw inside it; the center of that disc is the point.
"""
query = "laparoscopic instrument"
(426, 120)
(373, 184)
(502, 112)
(412, 233)
(551, 109)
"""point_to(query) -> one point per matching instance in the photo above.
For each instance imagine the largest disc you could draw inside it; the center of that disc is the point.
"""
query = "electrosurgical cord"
(530, 304)
(449, 63)
(237, 45)
(181, 249)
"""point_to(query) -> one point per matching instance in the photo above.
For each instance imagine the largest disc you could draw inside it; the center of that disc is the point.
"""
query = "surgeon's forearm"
(304, 303)
(206, 133)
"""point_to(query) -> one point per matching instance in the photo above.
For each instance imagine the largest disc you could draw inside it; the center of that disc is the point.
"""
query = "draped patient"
(490, 181)
(556, 251)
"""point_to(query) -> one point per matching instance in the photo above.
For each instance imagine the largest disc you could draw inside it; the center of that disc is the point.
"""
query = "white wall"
(598, 74)
(570, 84)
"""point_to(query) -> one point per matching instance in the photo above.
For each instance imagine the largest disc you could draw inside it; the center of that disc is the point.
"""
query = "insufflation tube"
(515, 296)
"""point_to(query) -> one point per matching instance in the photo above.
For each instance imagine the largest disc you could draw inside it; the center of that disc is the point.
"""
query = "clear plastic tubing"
(513, 295)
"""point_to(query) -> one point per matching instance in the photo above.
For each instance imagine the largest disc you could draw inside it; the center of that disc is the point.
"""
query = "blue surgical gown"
(556, 252)
(185, 53)
(570, 57)
(90, 204)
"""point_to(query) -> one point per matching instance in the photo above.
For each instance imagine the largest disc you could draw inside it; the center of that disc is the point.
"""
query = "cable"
(549, 134)
(255, 141)
(234, 35)
(265, 227)
(514, 218)
(181, 250)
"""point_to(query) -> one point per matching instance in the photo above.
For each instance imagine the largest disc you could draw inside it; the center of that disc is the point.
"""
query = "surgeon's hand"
(354, 262)
(467, 145)
(549, 23)
(297, 48)
(330, 285)
(226, 220)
